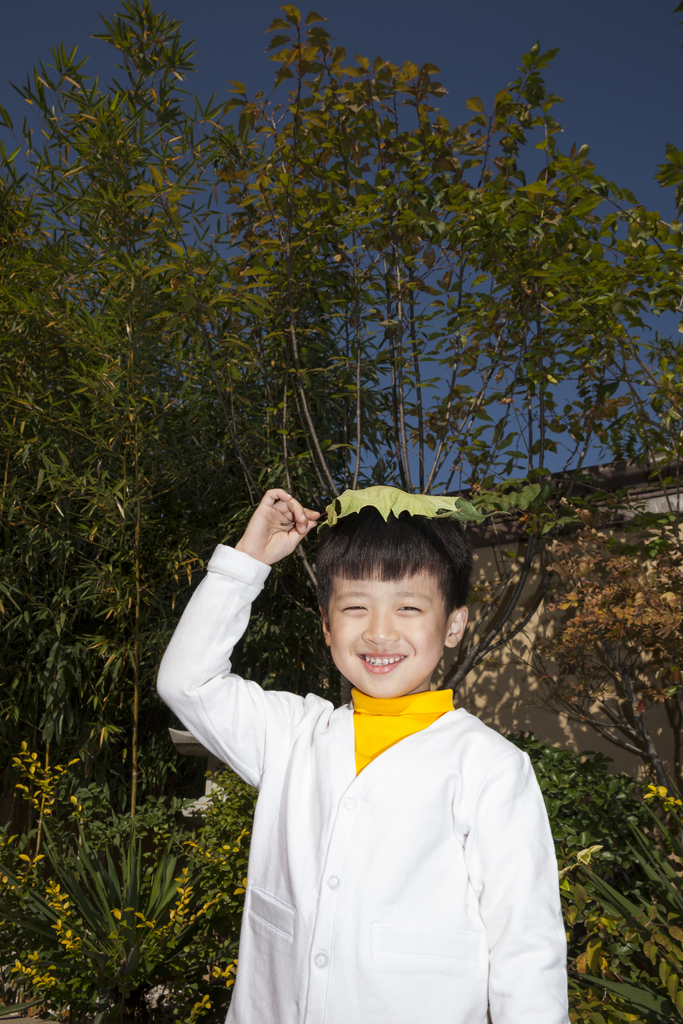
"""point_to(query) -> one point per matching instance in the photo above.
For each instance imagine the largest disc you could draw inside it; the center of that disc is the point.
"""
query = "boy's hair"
(363, 546)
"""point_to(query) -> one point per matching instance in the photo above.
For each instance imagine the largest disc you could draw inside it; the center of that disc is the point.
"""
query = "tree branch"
(458, 673)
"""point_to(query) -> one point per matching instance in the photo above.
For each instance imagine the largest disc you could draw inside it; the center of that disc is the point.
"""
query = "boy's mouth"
(382, 661)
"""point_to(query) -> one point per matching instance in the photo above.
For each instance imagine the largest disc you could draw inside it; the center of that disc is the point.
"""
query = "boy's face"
(387, 637)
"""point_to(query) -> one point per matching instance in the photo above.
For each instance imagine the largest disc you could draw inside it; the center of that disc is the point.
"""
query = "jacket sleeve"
(243, 725)
(513, 869)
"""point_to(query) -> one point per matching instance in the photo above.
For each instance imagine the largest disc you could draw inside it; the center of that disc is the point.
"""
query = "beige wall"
(505, 695)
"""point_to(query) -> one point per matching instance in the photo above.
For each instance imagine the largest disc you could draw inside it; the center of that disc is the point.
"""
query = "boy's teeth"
(382, 661)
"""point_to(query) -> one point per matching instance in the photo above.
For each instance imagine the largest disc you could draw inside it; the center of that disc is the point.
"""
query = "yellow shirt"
(379, 723)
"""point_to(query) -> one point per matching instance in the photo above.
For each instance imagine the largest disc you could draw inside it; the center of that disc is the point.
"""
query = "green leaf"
(17, 1007)
(639, 998)
(293, 13)
(536, 188)
(474, 103)
(145, 188)
(392, 500)
(586, 205)
(157, 175)
(278, 41)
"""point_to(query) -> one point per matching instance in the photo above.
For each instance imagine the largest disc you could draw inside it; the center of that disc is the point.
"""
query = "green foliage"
(14, 1008)
(115, 907)
(621, 895)
(218, 858)
(118, 468)
(392, 500)
(588, 806)
(198, 301)
(633, 946)
(102, 924)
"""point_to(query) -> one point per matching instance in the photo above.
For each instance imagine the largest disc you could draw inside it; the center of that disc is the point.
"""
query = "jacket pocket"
(271, 911)
(457, 953)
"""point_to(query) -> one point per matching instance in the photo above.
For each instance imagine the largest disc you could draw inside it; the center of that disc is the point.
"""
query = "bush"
(115, 911)
(631, 963)
(621, 890)
(588, 806)
(102, 912)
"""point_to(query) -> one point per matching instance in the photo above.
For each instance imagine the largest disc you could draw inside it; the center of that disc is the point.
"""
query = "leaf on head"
(392, 500)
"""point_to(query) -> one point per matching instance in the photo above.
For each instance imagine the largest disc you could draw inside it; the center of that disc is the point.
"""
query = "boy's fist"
(276, 527)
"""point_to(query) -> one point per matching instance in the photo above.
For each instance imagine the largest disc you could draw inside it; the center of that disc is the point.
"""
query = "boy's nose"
(380, 631)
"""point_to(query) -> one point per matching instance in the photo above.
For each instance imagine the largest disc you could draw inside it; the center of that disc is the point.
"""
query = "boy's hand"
(276, 527)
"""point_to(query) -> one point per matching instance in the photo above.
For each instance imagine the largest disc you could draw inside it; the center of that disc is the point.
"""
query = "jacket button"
(321, 960)
(349, 803)
(333, 881)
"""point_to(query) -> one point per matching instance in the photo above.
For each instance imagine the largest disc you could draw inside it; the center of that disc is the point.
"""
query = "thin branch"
(476, 653)
(418, 393)
(249, 480)
(527, 618)
(290, 304)
(285, 446)
(22, 363)
(646, 739)
(307, 565)
(399, 368)
(471, 413)
(304, 607)
(314, 461)
(358, 364)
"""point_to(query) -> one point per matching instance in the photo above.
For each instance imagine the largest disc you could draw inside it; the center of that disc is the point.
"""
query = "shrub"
(114, 908)
(588, 806)
(631, 959)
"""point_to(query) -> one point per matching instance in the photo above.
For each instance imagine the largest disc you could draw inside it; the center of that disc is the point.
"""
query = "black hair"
(363, 546)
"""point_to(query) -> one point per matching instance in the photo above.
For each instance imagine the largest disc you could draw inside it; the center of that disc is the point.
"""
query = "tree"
(102, 383)
(470, 324)
(620, 651)
(199, 301)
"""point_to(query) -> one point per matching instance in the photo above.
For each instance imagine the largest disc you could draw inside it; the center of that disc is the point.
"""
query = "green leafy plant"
(103, 927)
(326, 289)
(13, 1008)
(632, 944)
(114, 907)
(393, 500)
(589, 806)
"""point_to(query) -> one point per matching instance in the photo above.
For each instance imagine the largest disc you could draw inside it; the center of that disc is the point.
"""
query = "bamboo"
(138, 592)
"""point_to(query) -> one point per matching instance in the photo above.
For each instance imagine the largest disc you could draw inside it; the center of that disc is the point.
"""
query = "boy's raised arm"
(243, 725)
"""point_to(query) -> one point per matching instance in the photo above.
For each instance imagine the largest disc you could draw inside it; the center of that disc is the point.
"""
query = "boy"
(402, 869)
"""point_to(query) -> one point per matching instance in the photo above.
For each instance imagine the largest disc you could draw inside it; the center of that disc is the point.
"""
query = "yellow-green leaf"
(391, 499)
(535, 188)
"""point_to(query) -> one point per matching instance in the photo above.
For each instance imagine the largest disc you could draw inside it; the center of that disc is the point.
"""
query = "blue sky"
(620, 66)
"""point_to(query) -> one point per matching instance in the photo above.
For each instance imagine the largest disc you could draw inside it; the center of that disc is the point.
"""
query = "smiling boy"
(402, 869)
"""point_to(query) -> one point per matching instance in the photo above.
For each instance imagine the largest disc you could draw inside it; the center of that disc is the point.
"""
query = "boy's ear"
(325, 623)
(457, 622)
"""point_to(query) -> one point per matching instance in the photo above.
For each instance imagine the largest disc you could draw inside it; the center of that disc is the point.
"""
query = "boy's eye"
(408, 608)
(354, 608)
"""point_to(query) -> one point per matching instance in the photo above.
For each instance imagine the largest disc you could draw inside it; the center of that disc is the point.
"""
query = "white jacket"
(415, 893)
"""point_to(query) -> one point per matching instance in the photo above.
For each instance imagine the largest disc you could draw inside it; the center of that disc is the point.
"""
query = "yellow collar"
(426, 702)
